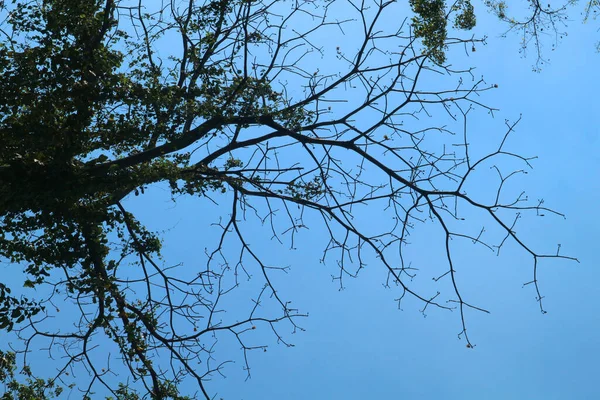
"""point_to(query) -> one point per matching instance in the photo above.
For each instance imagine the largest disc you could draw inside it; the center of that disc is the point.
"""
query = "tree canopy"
(252, 106)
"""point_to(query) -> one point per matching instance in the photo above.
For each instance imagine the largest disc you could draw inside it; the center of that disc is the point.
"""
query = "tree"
(253, 106)
(541, 21)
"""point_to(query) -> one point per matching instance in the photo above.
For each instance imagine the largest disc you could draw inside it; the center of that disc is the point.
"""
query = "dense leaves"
(431, 20)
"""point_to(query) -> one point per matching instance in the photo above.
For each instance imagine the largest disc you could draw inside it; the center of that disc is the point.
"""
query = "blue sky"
(357, 344)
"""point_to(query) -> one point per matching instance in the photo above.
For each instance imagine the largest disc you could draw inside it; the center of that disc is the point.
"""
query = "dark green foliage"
(465, 15)
(431, 23)
(86, 118)
(31, 389)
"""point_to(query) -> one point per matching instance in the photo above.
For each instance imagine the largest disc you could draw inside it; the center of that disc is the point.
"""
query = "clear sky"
(358, 345)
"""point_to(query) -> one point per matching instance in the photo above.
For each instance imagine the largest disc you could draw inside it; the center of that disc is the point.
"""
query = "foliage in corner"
(431, 23)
